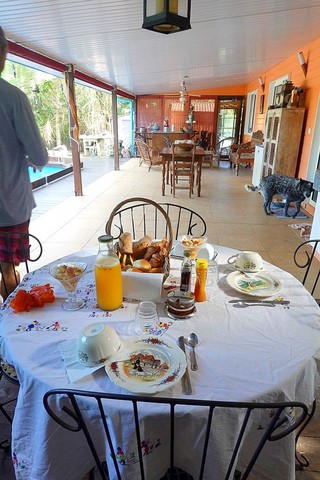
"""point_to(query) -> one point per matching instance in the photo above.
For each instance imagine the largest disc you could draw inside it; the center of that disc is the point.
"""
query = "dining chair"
(270, 422)
(141, 216)
(307, 257)
(148, 154)
(182, 166)
(31, 250)
(7, 372)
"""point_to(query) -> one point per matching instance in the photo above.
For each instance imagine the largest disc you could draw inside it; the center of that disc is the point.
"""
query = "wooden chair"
(148, 154)
(31, 250)
(141, 216)
(69, 409)
(182, 167)
(244, 153)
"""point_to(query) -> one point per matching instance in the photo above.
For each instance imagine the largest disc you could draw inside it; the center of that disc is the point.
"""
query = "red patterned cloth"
(14, 247)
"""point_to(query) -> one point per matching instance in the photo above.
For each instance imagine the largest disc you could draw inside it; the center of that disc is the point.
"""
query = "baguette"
(125, 243)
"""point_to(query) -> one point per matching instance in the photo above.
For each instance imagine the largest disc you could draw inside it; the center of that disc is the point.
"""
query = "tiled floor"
(235, 218)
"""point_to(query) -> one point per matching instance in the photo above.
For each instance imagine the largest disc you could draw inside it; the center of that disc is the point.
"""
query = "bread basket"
(142, 216)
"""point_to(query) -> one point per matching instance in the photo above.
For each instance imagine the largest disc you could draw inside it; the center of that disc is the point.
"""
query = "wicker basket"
(138, 202)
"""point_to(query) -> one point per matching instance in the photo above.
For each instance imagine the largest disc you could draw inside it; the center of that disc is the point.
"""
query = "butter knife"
(253, 300)
(185, 380)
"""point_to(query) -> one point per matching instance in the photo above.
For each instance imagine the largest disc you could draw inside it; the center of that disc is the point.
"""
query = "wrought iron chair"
(148, 154)
(66, 407)
(7, 372)
(141, 216)
(305, 257)
(31, 250)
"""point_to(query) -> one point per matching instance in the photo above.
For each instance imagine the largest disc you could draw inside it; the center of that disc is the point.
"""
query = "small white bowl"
(96, 344)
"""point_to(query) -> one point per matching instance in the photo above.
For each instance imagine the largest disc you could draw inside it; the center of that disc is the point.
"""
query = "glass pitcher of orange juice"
(107, 271)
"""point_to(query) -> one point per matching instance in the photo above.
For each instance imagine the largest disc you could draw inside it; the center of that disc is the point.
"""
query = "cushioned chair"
(141, 216)
(66, 407)
(149, 155)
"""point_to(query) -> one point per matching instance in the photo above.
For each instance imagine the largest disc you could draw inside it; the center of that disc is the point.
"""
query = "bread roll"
(151, 250)
(142, 264)
(125, 243)
(140, 247)
(157, 260)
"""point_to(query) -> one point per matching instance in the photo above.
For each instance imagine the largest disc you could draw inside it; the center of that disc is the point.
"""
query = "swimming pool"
(45, 172)
(49, 174)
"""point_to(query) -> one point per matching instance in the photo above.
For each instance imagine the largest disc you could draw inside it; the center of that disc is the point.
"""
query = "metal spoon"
(192, 342)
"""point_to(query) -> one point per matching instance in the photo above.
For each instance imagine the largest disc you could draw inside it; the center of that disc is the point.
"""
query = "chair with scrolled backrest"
(307, 257)
(269, 422)
(141, 216)
(148, 154)
(31, 250)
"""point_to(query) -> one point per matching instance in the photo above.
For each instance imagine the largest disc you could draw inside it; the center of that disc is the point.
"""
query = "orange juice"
(107, 272)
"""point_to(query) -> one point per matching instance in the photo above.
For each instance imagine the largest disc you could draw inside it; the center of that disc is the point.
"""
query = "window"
(250, 113)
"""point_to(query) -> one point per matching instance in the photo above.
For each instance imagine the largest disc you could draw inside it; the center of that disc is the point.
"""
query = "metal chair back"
(141, 217)
(307, 257)
(30, 247)
(74, 410)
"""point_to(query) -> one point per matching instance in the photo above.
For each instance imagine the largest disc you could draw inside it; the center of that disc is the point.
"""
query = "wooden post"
(74, 130)
(115, 129)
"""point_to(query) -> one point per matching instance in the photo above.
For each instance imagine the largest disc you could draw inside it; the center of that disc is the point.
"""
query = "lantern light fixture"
(166, 16)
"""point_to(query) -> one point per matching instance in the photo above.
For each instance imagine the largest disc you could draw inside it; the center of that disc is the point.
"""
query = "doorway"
(229, 120)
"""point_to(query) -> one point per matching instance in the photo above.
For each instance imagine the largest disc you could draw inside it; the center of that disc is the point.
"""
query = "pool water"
(45, 172)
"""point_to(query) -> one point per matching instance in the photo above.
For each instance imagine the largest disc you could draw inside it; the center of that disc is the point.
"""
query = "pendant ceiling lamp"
(166, 16)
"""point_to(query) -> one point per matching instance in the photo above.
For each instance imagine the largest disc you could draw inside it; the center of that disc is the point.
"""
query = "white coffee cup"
(247, 261)
(96, 343)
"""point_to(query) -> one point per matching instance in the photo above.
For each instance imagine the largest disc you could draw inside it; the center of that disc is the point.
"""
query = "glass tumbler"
(146, 318)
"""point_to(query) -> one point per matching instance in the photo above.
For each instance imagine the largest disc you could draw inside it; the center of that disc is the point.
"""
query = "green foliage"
(48, 100)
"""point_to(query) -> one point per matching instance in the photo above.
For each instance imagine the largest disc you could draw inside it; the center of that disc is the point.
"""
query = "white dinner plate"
(147, 365)
(261, 285)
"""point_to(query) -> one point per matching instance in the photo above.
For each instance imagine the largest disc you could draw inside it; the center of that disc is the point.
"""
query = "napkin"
(75, 370)
(142, 286)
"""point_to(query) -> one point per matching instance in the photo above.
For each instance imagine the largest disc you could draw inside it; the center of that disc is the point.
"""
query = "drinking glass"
(69, 275)
(146, 318)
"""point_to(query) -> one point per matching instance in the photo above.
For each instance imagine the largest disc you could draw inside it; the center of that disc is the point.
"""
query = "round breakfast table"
(257, 353)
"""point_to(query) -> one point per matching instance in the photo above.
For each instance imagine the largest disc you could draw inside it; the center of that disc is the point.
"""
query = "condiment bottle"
(107, 271)
(201, 278)
(186, 273)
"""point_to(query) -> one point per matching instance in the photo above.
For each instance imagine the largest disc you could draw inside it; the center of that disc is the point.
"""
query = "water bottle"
(107, 270)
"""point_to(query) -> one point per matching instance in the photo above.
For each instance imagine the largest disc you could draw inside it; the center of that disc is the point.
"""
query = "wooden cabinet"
(282, 140)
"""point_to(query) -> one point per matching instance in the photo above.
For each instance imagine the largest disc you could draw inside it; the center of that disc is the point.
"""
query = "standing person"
(20, 146)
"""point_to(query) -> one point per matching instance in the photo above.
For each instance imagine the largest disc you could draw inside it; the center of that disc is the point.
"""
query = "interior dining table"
(256, 353)
(166, 154)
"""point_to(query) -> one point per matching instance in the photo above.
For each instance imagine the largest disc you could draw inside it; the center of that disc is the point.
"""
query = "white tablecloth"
(255, 353)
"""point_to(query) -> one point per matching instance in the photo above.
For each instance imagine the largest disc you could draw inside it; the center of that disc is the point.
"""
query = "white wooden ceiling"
(231, 42)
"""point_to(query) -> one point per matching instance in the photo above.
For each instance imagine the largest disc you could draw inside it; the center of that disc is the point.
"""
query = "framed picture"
(261, 103)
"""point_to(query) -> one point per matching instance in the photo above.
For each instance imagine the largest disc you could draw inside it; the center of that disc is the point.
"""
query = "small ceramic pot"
(96, 343)
(180, 304)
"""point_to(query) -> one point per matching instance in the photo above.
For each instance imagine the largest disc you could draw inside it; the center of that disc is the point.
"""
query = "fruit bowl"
(191, 245)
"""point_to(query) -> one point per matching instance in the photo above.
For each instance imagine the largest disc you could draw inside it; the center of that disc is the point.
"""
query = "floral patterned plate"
(261, 285)
(147, 365)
